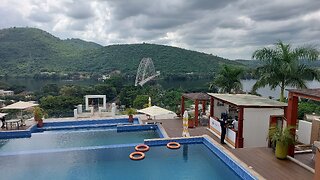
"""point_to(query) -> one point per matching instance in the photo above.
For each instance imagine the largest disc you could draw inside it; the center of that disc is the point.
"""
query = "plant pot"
(40, 123)
(130, 119)
(191, 123)
(281, 150)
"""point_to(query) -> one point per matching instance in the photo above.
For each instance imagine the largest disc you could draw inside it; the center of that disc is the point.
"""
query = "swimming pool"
(79, 138)
(65, 125)
(191, 161)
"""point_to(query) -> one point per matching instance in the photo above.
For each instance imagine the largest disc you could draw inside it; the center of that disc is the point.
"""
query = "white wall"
(216, 128)
(219, 109)
(304, 132)
(256, 125)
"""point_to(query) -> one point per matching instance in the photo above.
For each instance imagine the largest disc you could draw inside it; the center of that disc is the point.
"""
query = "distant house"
(6, 93)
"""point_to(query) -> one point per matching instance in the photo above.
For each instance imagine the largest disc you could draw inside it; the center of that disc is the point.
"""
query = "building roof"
(307, 93)
(247, 100)
(197, 96)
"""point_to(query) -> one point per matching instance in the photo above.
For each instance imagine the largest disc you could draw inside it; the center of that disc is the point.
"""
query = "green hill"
(28, 51)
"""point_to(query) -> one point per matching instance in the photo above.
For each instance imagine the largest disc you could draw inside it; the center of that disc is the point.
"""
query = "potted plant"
(191, 123)
(130, 112)
(283, 139)
(39, 114)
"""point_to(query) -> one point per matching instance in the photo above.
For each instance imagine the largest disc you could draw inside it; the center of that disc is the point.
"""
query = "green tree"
(282, 67)
(50, 89)
(140, 101)
(71, 90)
(106, 89)
(228, 79)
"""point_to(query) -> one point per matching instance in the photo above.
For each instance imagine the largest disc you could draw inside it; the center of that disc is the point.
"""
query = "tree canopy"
(228, 80)
(282, 66)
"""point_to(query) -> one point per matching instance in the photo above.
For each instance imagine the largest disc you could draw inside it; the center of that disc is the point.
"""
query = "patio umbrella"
(21, 105)
(149, 104)
(156, 111)
(185, 132)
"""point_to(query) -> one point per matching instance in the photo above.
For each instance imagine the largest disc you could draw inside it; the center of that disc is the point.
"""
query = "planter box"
(191, 123)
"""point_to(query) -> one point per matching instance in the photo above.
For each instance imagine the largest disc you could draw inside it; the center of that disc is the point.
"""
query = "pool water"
(74, 138)
(192, 161)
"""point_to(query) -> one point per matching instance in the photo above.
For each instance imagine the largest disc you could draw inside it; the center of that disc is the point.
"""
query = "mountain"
(252, 64)
(29, 51)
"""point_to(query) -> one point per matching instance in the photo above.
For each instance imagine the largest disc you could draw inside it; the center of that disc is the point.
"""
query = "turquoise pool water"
(192, 161)
(74, 138)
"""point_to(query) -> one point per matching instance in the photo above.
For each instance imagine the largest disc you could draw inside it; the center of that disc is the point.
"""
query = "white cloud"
(231, 29)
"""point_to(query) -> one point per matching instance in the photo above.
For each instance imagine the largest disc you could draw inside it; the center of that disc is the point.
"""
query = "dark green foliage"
(35, 53)
(308, 107)
(57, 106)
(50, 89)
(140, 101)
(228, 80)
(282, 66)
(282, 135)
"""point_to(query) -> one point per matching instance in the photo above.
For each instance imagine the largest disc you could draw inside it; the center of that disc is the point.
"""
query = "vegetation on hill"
(28, 52)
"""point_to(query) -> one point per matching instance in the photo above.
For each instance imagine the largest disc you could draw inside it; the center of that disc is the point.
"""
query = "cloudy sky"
(228, 28)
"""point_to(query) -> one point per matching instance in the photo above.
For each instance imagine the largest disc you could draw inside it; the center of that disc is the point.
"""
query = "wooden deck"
(306, 158)
(262, 160)
(267, 165)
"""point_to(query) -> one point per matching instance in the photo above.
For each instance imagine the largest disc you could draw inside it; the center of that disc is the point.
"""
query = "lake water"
(36, 85)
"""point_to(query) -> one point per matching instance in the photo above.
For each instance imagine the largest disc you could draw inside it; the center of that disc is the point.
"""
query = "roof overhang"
(247, 100)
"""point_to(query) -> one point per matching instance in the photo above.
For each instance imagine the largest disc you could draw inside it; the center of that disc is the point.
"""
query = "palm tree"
(282, 66)
(228, 79)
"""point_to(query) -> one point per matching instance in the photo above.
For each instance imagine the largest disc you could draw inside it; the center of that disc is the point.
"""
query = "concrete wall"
(230, 135)
(304, 132)
(218, 109)
(256, 125)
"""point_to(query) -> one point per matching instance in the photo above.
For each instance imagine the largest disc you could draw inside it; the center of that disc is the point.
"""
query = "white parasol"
(20, 105)
(156, 111)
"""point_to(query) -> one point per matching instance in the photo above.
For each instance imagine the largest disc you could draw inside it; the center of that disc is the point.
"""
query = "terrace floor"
(262, 160)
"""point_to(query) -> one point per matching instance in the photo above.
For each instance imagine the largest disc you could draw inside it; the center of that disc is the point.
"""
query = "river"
(35, 85)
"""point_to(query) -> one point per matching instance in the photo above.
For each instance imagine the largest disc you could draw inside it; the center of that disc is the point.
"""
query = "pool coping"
(61, 125)
(239, 167)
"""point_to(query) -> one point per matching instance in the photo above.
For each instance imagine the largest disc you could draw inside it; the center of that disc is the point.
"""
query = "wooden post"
(291, 116)
(204, 106)
(239, 140)
(196, 112)
(317, 161)
(211, 106)
(182, 106)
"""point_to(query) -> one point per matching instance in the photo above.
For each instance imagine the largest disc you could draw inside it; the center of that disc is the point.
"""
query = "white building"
(6, 93)
(255, 116)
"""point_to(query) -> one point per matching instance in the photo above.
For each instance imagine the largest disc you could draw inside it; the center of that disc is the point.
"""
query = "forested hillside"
(29, 51)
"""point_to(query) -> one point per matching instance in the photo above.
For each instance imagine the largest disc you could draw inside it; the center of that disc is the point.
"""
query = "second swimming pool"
(75, 138)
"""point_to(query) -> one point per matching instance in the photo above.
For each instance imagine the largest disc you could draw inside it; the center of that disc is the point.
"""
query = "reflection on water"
(267, 92)
(36, 85)
(185, 152)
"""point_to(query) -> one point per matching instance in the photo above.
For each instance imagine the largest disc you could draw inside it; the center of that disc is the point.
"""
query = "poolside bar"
(255, 115)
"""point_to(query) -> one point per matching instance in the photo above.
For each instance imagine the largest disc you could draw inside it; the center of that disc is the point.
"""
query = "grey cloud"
(11, 17)
(230, 28)
(281, 10)
(40, 16)
(79, 10)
